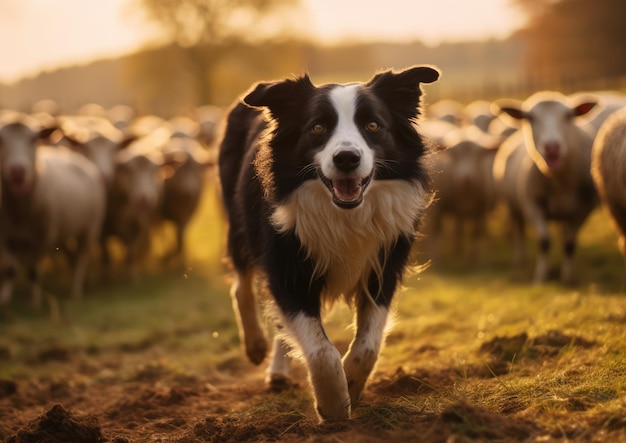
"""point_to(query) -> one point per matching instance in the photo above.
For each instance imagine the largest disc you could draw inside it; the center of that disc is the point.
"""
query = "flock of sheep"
(550, 158)
(72, 181)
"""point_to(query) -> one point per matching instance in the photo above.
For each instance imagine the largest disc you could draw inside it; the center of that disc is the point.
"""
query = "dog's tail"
(243, 124)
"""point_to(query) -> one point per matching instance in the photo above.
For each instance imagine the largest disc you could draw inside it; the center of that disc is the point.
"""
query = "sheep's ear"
(510, 110)
(401, 90)
(281, 98)
(126, 141)
(584, 108)
(46, 133)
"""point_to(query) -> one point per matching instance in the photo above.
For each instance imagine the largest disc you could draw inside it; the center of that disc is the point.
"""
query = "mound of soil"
(58, 425)
(522, 346)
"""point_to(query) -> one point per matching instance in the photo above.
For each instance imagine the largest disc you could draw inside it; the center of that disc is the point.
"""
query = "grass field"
(475, 354)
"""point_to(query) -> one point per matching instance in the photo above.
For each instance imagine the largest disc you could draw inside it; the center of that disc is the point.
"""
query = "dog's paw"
(279, 382)
(256, 350)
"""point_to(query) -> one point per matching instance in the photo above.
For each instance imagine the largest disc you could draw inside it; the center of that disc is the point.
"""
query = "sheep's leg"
(542, 231)
(477, 239)
(34, 277)
(7, 284)
(80, 265)
(360, 359)
(570, 231)
(459, 231)
(177, 254)
(542, 266)
(278, 377)
(618, 215)
(246, 309)
(519, 240)
(105, 258)
(137, 250)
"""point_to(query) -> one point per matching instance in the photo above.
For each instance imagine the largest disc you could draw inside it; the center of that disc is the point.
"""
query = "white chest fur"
(345, 243)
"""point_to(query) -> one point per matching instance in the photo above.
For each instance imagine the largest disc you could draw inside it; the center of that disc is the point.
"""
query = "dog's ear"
(281, 98)
(401, 90)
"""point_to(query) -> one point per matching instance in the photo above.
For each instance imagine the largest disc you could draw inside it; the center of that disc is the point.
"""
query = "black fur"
(263, 155)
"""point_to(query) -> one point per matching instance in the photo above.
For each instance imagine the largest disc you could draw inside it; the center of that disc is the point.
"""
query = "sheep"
(133, 200)
(435, 131)
(97, 139)
(51, 198)
(542, 173)
(208, 118)
(464, 190)
(92, 109)
(47, 106)
(479, 114)
(608, 169)
(120, 116)
(447, 110)
(183, 190)
(610, 102)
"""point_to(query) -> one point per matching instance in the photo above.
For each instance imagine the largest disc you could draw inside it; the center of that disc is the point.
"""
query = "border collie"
(323, 188)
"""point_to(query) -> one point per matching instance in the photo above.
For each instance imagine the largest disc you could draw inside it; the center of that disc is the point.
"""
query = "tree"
(573, 42)
(201, 25)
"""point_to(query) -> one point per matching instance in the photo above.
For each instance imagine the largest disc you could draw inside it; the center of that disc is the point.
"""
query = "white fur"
(69, 192)
(361, 358)
(345, 135)
(345, 242)
(325, 368)
(536, 193)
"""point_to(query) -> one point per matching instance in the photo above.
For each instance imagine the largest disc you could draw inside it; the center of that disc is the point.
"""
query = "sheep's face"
(18, 145)
(467, 160)
(101, 151)
(547, 126)
(138, 180)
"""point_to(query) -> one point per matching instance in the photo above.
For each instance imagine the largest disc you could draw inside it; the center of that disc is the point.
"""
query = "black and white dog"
(323, 187)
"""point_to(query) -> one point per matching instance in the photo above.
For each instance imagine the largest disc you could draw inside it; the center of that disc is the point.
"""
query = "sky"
(38, 35)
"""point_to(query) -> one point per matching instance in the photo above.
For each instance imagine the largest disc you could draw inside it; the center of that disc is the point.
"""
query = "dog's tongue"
(347, 189)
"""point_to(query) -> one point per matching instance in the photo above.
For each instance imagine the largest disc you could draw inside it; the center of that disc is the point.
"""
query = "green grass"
(464, 334)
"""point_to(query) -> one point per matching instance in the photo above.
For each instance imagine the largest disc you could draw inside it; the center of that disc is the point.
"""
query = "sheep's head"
(20, 135)
(548, 122)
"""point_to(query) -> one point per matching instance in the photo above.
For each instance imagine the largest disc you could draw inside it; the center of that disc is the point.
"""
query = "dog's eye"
(372, 126)
(318, 129)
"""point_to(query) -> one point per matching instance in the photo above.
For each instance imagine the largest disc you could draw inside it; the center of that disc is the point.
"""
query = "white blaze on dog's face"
(346, 162)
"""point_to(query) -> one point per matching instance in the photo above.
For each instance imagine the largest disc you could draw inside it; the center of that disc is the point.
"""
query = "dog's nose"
(347, 160)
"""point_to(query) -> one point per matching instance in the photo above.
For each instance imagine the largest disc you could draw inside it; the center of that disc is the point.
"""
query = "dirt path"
(92, 404)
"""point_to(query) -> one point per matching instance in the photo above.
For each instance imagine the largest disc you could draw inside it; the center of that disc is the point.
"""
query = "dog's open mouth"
(347, 192)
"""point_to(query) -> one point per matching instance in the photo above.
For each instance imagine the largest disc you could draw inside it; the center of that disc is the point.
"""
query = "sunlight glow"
(45, 34)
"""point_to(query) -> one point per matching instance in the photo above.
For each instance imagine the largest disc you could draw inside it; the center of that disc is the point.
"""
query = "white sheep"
(542, 172)
(208, 118)
(447, 110)
(608, 169)
(52, 198)
(479, 114)
(464, 190)
(97, 139)
(609, 102)
(183, 188)
(134, 199)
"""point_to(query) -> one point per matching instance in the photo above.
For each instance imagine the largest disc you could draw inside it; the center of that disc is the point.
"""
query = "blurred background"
(166, 57)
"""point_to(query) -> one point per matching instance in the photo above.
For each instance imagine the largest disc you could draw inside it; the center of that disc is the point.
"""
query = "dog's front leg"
(360, 359)
(326, 374)
(371, 318)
